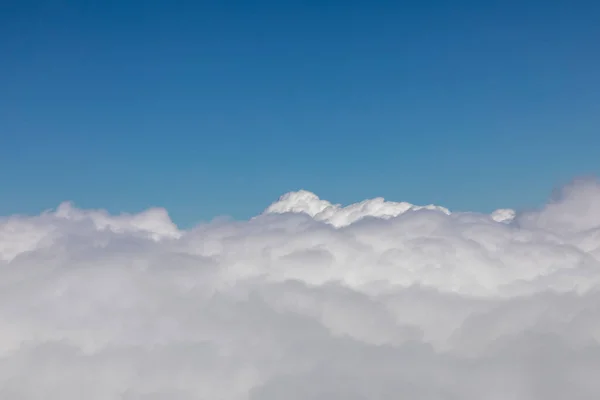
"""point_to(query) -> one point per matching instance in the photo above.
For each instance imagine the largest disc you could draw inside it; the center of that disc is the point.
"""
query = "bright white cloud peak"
(309, 300)
(338, 216)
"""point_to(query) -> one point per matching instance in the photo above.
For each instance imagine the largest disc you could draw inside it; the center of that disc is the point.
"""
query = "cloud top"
(308, 300)
(321, 210)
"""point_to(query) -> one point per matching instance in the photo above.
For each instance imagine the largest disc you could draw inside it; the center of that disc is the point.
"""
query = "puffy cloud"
(503, 215)
(20, 234)
(309, 300)
(573, 208)
(321, 210)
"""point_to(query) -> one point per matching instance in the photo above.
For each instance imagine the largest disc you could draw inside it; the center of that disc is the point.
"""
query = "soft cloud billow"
(308, 300)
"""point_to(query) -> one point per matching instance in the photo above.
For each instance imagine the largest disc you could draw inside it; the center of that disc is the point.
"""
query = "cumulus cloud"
(308, 300)
(321, 210)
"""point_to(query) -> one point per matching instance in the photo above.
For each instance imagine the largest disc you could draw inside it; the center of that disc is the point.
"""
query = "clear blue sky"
(212, 109)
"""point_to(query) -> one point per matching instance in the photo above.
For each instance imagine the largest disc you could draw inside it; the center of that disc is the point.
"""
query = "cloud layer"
(309, 300)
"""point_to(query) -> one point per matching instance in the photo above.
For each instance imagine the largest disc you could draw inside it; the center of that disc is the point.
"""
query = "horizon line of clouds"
(308, 300)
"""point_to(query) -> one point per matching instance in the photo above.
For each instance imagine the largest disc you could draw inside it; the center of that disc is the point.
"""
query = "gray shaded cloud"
(375, 301)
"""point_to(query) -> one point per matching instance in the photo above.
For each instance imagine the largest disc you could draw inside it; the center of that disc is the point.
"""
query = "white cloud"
(574, 208)
(338, 216)
(309, 300)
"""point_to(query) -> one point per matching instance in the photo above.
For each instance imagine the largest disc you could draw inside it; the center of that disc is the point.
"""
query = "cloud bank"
(309, 300)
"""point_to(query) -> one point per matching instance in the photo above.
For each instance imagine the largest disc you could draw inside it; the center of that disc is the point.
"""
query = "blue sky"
(212, 109)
